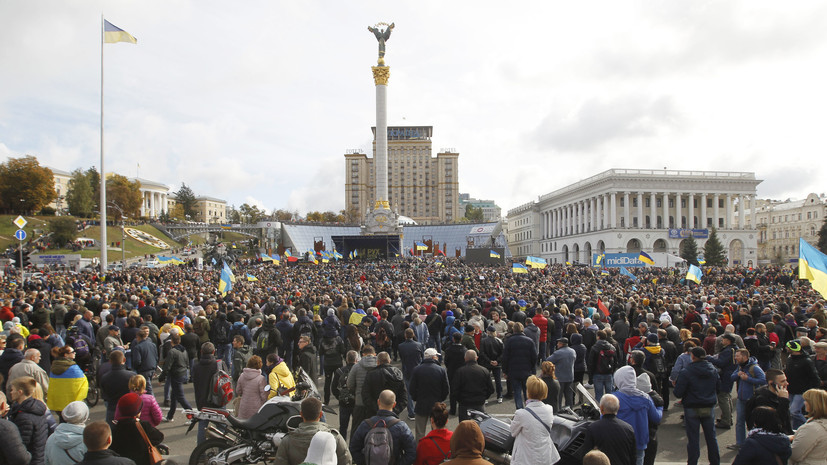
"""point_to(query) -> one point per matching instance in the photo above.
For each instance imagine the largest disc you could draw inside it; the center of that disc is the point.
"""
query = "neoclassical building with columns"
(626, 211)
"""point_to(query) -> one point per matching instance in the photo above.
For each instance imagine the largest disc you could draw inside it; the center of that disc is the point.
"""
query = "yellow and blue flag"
(276, 259)
(337, 255)
(251, 277)
(312, 257)
(645, 258)
(266, 258)
(599, 259)
(113, 34)
(225, 282)
(493, 254)
(604, 272)
(812, 266)
(694, 274)
(535, 262)
(169, 260)
(519, 268)
(421, 246)
(701, 260)
(229, 272)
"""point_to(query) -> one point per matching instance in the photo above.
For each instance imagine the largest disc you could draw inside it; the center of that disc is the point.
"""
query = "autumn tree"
(250, 213)
(351, 215)
(25, 186)
(186, 199)
(125, 194)
(80, 196)
(282, 215)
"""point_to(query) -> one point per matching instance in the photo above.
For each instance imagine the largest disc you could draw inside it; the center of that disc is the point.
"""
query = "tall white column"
(593, 204)
(728, 207)
(665, 206)
(554, 223)
(753, 211)
(380, 162)
(653, 212)
(626, 215)
(690, 216)
(742, 212)
(582, 216)
(640, 219)
(613, 214)
(605, 208)
(678, 222)
(716, 211)
(703, 212)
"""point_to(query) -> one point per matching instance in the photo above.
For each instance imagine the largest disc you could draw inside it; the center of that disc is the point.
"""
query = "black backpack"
(605, 361)
(346, 397)
(306, 329)
(219, 335)
(378, 447)
(658, 364)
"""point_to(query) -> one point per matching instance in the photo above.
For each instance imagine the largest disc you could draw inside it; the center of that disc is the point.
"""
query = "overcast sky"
(257, 101)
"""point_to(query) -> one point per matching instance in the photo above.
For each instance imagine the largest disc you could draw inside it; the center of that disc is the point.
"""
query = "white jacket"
(810, 443)
(532, 443)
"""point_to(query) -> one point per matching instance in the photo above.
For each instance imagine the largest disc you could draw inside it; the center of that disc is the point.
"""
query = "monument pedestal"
(381, 220)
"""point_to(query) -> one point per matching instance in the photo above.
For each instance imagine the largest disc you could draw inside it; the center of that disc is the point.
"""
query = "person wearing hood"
(239, 328)
(766, 443)
(322, 450)
(645, 385)
(67, 383)
(29, 414)
(467, 444)
(749, 376)
(356, 383)
(636, 408)
(65, 446)
(697, 385)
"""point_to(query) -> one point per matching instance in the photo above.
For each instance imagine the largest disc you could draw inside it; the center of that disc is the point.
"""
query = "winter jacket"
(681, 362)
(637, 410)
(9, 358)
(239, 328)
(67, 383)
(27, 367)
(755, 379)
(434, 448)
(377, 380)
(613, 437)
(115, 385)
(410, 352)
(29, 416)
(202, 373)
(698, 385)
(293, 448)
(250, 387)
(428, 385)
(268, 340)
(763, 396)
(65, 446)
(144, 356)
(333, 350)
(580, 352)
(801, 374)
(762, 448)
(594, 356)
(491, 350)
(519, 357)
(810, 443)
(404, 445)
(308, 361)
(725, 361)
(471, 384)
(563, 360)
(532, 442)
(127, 441)
(533, 333)
(280, 378)
(150, 411)
(356, 379)
(177, 362)
(13, 451)
(421, 332)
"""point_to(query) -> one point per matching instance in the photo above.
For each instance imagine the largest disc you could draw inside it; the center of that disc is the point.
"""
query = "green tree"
(282, 215)
(689, 250)
(714, 252)
(25, 186)
(64, 230)
(80, 196)
(474, 214)
(250, 213)
(314, 216)
(94, 179)
(822, 237)
(186, 198)
(125, 194)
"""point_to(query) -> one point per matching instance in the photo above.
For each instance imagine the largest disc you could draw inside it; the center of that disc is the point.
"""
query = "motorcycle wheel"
(93, 395)
(206, 450)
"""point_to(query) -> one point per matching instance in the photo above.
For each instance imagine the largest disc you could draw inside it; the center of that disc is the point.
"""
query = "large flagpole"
(103, 171)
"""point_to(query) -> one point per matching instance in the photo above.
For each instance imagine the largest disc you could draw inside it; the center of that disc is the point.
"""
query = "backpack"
(306, 329)
(179, 323)
(330, 346)
(262, 340)
(240, 360)
(605, 362)
(659, 364)
(80, 345)
(220, 332)
(221, 387)
(346, 396)
(198, 327)
(378, 447)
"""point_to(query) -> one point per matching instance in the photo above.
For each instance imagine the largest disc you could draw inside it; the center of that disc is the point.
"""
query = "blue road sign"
(20, 235)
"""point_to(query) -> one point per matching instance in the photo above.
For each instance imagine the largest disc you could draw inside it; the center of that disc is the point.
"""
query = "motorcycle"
(232, 441)
(568, 432)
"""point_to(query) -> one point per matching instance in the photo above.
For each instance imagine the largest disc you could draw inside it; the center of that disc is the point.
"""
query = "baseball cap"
(431, 352)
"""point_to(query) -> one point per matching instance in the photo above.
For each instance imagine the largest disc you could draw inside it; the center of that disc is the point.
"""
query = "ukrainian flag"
(229, 272)
(438, 263)
(694, 274)
(276, 259)
(536, 262)
(421, 246)
(337, 255)
(251, 277)
(518, 268)
(313, 257)
(493, 254)
(112, 34)
(604, 272)
(701, 260)
(645, 258)
(812, 266)
(266, 258)
(169, 260)
(225, 282)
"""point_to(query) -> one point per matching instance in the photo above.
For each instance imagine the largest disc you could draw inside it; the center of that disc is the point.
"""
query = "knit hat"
(652, 338)
(130, 405)
(794, 345)
(76, 413)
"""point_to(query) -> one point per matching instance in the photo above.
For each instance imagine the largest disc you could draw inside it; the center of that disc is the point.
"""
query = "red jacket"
(541, 322)
(427, 452)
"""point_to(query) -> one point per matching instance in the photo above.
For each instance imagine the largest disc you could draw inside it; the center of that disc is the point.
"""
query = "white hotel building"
(626, 211)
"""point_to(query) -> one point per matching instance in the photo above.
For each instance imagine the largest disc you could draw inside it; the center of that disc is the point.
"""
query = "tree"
(186, 198)
(689, 250)
(250, 213)
(64, 230)
(474, 214)
(714, 252)
(94, 179)
(176, 213)
(314, 216)
(282, 215)
(125, 194)
(822, 237)
(25, 186)
(80, 196)
(351, 215)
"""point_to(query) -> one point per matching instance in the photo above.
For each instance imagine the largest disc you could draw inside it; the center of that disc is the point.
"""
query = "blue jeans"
(518, 388)
(148, 375)
(410, 399)
(797, 410)
(177, 395)
(603, 384)
(641, 454)
(740, 421)
(693, 422)
(224, 352)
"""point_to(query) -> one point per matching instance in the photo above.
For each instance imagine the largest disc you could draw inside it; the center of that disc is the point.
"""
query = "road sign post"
(20, 234)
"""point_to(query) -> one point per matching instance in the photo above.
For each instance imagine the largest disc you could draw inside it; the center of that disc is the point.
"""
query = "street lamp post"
(123, 235)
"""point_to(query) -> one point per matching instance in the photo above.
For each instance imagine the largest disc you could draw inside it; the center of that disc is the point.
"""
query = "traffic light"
(16, 259)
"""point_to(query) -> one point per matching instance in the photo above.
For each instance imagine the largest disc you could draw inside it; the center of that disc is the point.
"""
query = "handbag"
(154, 455)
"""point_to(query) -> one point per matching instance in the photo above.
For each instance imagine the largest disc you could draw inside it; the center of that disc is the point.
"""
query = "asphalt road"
(671, 434)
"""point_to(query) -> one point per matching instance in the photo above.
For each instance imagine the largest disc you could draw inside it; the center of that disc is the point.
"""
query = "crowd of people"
(403, 345)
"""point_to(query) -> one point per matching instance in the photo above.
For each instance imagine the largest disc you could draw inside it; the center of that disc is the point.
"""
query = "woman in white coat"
(531, 428)
(810, 440)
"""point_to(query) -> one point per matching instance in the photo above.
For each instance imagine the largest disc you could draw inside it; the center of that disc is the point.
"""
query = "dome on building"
(403, 220)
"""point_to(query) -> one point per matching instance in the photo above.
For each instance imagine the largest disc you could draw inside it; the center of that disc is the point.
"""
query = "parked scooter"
(568, 432)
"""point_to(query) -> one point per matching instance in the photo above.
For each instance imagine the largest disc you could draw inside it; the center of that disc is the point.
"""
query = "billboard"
(616, 260)
(684, 233)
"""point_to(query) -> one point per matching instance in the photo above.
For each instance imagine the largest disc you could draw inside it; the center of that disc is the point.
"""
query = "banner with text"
(616, 260)
(684, 233)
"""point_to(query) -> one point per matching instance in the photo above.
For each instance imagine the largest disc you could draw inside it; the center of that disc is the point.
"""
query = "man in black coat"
(519, 355)
(491, 354)
(202, 374)
(11, 356)
(97, 437)
(613, 437)
(268, 338)
(144, 357)
(471, 386)
(115, 383)
(384, 376)
(411, 353)
(454, 359)
(428, 385)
